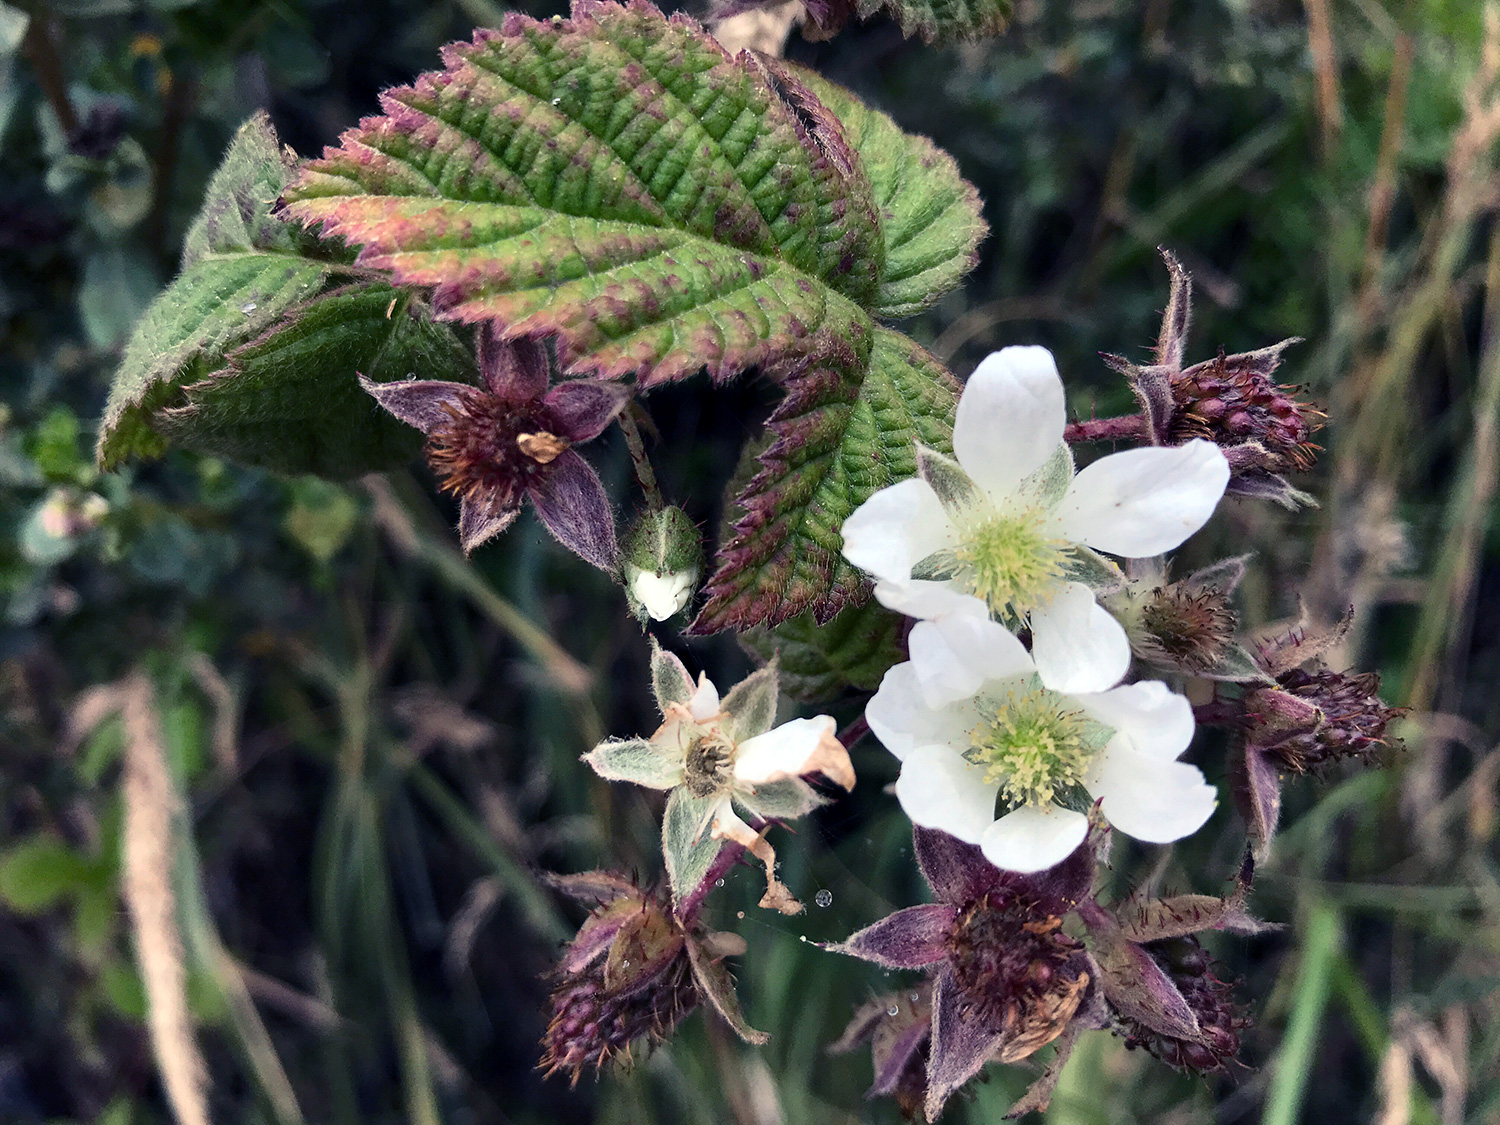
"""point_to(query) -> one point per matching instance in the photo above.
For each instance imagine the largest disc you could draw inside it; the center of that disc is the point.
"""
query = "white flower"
(661, 595)
(1011, 523)
(998, 733)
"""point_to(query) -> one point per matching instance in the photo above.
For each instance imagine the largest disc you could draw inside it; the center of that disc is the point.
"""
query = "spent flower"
(1009, 521)
(1007, 979)
(631, 974)
(512, 439)
(718, 755)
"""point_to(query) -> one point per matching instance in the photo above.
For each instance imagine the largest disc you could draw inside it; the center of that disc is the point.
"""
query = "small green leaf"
(686, 845)
(821, 662)
(840, 435)
(670, 682)
(619, 181)
(37, 874)
(930, 216)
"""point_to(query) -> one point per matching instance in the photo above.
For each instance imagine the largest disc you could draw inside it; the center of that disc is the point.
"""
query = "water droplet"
(247, 309)
(557, 101)
(718, 882)
(824, 897)
(625, 964)
(893, 1010)
(740, 914)
(801, 937)
(914, 996)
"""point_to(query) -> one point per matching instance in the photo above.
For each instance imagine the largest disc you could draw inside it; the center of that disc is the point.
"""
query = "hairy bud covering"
(1232, 401)
(1345, 718)
(1220, 1020)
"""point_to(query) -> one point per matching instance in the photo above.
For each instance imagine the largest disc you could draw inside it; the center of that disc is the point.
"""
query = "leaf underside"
(251, 353)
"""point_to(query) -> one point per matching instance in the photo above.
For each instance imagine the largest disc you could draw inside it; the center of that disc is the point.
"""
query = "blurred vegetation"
(369, 744)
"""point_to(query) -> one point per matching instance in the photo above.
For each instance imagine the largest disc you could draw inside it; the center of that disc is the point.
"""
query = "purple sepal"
(478, 522)
(423, 403)
(583, 408)
(907, 939)
(957, 872)
(1138, 988)
(572, 503)
(961, 1045)
(889, 1073)
(1257, 791)
(514, 370)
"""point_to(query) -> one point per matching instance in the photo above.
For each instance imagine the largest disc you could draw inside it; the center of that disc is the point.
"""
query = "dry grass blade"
(152, 808)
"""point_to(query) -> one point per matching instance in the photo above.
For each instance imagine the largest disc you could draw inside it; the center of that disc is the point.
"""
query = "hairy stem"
(1106, 429)
(729, 855)
(643, 470)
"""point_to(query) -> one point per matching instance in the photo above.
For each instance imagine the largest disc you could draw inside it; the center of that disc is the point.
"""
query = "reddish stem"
(1106, 429)
(854, 732)
(729, 855)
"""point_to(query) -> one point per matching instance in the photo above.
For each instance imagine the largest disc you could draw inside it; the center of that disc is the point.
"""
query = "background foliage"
(372, 742)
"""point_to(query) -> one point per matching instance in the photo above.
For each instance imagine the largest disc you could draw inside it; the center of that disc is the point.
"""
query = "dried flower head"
(1185, 626)
(1007, 979)
(1210, 998)
(630, 975)
(1312, 719)
(496, 445)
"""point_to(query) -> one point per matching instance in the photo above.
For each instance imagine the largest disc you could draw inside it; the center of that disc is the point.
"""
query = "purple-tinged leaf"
(842, 432)
(961, 1045)
(572, 502)
(1138, 988)
(908, 939)
(593, 888)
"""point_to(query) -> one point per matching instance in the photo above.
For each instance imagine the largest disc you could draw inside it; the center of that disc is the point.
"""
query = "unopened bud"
(1220, 1019)
(1233, 401)
(1311, 719)
(663, 559)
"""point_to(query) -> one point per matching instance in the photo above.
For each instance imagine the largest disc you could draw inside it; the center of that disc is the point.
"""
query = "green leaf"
(750, 706)
(930, 216)
(686, 845)
(943, 20)
(840, 435)
(38, 873)
(619, 181)
(251, 353)
(289, 400)
(820, 662)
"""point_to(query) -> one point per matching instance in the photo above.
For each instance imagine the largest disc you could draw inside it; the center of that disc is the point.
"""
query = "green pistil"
(1009, 562)
(1034, 747)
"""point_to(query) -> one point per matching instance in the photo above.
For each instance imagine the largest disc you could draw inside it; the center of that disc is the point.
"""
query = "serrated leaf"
(618, 181)
(821, 662)
(840, 434)
(251, 352)
(289, 400)
(930, 216)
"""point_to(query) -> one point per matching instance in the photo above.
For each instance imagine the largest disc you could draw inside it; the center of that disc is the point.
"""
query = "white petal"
(1157, 721)
(663, 595)
(938, 788)
(1033, 839)
(1010, 418)
(919, 597)
(896, 528)
(1148, 798)
(955, 655)
(1076, 643)
(901, 719)
(705, 701)
(1144, 501)
(783, 752)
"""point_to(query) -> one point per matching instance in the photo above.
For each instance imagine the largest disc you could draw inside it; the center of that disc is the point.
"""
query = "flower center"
(1009, 562)
(490, 451)
(709, 764)
(1035, 746)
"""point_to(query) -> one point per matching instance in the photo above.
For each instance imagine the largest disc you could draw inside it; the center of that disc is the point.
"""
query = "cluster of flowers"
(1039, 711)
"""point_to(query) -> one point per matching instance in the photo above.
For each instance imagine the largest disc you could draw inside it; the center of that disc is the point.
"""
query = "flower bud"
(1220, 1019)
(662, 561)
(1232, 401)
